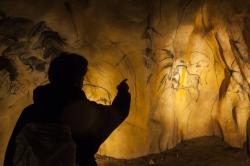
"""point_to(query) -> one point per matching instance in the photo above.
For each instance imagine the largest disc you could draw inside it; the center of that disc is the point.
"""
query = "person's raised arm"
(110, 117)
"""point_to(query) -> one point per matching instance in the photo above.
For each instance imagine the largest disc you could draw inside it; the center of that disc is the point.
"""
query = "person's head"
(68, 69)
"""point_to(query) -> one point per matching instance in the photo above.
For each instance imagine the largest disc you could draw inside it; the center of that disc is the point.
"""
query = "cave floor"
(204, 151)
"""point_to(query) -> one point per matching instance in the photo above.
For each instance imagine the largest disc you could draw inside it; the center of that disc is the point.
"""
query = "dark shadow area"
(203, 151)
(61, 104)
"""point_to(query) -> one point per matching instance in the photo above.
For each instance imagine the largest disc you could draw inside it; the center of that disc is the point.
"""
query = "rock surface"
(205, 151)
(186, 61)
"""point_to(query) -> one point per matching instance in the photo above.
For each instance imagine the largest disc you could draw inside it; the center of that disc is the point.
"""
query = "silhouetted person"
(63, 102)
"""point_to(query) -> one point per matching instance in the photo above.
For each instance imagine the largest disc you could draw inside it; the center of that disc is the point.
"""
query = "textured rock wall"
(187, 64)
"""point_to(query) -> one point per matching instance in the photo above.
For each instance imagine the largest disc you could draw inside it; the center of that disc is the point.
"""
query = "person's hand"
(123, 86)
(123, 98)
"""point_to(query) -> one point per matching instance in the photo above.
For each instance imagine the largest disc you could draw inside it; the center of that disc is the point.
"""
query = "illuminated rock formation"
(187, 64)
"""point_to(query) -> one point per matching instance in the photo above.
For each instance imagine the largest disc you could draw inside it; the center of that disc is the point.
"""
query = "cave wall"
(186, 61)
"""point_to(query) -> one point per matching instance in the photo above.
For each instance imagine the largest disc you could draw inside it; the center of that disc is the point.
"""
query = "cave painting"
(187, 65)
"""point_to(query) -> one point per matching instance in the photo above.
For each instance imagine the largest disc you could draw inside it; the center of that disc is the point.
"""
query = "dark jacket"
(90, 123)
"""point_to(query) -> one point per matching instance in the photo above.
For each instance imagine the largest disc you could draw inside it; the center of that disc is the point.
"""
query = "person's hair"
(67, 68)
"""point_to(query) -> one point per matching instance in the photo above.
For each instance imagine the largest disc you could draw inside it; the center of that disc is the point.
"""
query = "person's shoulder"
(30, 109)
(41, 91)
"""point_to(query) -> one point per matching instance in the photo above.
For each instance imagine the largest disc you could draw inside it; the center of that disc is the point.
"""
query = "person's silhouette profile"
(62, 101)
